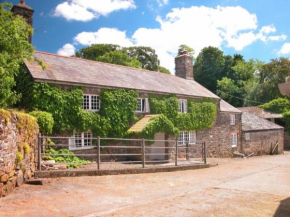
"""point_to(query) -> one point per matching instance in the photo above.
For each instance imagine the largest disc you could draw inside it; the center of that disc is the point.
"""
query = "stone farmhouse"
(223, 139)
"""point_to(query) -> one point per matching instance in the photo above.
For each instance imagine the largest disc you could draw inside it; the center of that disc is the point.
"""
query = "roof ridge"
(78, 58)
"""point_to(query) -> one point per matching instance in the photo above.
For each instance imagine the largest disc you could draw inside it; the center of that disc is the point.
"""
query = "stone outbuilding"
(260, 136)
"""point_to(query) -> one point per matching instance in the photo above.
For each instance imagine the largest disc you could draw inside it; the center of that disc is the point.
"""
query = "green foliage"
(269, 76)
(19, 157)
(118, 107)
(187, 48)
(26, 148)
(5, 115)
(44, 120)
(166, 105)
(68, 157)
(201, 113)
(158, 124)
(119, 58)
(163, 70)
(25, 123)
(96, 50)
(146, 56)
(137, 57)
(209, 67)
(279, 105)
(14, 47)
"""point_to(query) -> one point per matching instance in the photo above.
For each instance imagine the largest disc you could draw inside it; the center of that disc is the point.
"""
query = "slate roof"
(251, 122)
(76, 71)
(226, 107)
(261, 112)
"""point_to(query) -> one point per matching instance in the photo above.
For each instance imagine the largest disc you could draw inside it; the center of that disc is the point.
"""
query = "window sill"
(234, 146)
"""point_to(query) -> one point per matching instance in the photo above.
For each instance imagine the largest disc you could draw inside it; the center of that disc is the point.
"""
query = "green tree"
(163, 70)
(146, 56)
(187, 48)
(119, 58)
(96, 50)
(209, 68)
(270, 75)
(14, 48)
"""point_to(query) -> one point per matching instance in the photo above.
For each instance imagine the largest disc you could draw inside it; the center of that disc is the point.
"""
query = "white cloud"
(162, 2)
(197, 27)
(285, 49)
(278, 38)
(67, 50)
(86, 10)
(104, 36)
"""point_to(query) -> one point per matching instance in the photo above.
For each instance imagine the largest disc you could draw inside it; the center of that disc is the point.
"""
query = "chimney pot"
(22, 2)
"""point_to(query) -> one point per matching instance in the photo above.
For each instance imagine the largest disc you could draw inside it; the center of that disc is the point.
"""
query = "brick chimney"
(25, 11)
(183, 66)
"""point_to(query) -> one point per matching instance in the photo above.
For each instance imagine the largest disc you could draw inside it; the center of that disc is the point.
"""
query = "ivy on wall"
(117, 110)
(201, 112)
(159, 124)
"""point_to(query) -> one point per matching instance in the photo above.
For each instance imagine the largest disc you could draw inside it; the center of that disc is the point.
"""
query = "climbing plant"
(158, 124)
(201, 112)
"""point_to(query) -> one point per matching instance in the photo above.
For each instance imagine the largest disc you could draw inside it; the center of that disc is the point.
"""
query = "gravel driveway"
(258, 186)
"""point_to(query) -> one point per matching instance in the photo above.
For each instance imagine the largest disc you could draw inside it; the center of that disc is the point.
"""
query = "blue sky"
(257, 29)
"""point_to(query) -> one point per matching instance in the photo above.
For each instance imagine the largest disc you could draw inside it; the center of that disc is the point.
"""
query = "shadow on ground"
(283, 209)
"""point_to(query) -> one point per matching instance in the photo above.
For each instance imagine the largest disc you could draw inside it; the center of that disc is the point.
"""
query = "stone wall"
(18, 144)
(219, 138)
(262, 142)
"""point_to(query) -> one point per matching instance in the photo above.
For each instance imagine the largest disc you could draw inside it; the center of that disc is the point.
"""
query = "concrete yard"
(258, 186)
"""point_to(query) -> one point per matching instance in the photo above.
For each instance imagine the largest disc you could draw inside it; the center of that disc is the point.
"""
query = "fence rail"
(143, 150)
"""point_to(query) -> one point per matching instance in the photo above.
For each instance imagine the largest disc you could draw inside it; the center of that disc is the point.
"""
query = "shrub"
(45, 121)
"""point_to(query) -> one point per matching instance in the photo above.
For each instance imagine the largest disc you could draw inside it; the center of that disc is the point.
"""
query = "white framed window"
(187, 136)
(143, 105)
(247, 136)
(91, 102)
(233, 119)
(81, 140)
(234, 140)
(182, 105)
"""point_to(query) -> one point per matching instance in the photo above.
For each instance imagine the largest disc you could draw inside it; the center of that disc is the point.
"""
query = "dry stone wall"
(18, 144)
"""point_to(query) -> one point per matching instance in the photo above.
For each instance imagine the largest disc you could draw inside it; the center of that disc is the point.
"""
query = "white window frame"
(232, 119)
(182, 105)
(187, 136)
(247, 136)
(144, 102)
(90, 97)
(81, 139)
(234, 140)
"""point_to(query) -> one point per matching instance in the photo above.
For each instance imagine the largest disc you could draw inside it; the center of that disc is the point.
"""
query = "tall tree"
(270, 75)
(146, 56)
(96, 50)
(209, 67)
(119, 58)
(14, 48)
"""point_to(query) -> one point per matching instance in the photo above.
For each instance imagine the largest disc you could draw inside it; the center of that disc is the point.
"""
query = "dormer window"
(91, 102)
(143, 105)
(182, 105)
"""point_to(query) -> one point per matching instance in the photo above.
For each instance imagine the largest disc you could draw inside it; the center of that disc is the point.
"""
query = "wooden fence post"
(39, 152)
(99, 152)
(204, 152)
(143, 153)
(176, 151)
